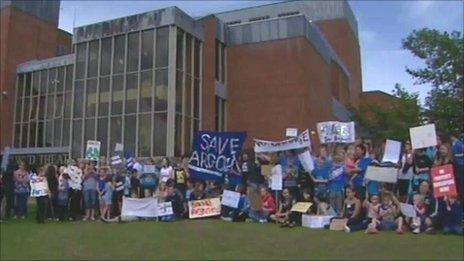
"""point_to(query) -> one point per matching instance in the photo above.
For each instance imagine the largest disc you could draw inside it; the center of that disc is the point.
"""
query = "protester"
(8, 186)
(452, 216)
(102, 179)
(285, 206)
(198, 191)
(357, 175)
(180, 177)
(337, 182)
(458, 162)
(160, 193)
(174, 196)
(320, 174)
(21, 190)
(352, 211)
(294, 218)
(52, 180)
(118, 181)
(62, 197)
(421, 213)
(251, 171)
(443, 156)
(389, 213)
(213, 190)
(41, 192)
(107, 198)
(240, 213)
(75, 191)
(89, 188)
(431, 218)
(406, 172)
(268, 207)
(166, 171)
(422, 165)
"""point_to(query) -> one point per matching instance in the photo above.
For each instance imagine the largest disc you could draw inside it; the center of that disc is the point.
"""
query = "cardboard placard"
(291, 132)
(165, 209)
(204, 208)
(381, 174)
(301, 207)
(443, 181)
(139, 207)
(92, 151)
(338, 224)
(334, 131)
(315, 221)
(392, 151)
(149, 169)
(423, 136)
(230, 198)
(266, 170)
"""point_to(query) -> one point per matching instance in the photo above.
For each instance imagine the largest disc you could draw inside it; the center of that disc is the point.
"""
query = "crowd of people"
(85, 190)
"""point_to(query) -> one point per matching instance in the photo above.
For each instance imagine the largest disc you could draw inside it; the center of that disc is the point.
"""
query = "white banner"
(140, 207)
(335, 131)
(302, 141)
(382, 174)
(392, 151)
(230, 198)
(423, 136)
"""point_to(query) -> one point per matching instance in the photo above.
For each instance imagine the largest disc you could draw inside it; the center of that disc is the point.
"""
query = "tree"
(389, 122)
(443, 54)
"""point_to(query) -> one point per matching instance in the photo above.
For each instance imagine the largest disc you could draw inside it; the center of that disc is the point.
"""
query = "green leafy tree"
(443, 54)
(392, 122)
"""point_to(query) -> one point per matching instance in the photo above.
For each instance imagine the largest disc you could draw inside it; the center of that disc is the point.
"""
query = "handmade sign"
(408, 210)
(149, 169)
(215, 154)
(39, 186)
(314, 221)
(92, 151)
(164, 209)
(306, 161)
(423, 136)
(443, 181)
(277, 179)
(338, 224)
(139, 207)
(392, 151)
(204, 208)
(300, 142)
(334, 131)
(230, 198)
(301, 207)
(382, 174)
(266, 170)
(291, 132)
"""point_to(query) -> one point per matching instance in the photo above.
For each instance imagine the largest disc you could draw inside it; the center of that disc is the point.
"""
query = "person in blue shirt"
(337, 182)
(458, 162)
(357, 175)
(320, 173)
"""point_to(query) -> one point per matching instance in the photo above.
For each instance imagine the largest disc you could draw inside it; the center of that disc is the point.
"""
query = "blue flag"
(215, 154)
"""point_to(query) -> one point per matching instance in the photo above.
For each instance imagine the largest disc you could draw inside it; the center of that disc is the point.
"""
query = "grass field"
(212, 239)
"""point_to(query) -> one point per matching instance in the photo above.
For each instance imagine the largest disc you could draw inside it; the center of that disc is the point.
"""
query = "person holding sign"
(320, 174)
(357, 175)
(337, 182)
(21, 190)
(406, 172)
(174, 196)
(422, 165)
(39, 190)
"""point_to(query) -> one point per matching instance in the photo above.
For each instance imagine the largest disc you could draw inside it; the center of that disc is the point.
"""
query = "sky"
(381, 27)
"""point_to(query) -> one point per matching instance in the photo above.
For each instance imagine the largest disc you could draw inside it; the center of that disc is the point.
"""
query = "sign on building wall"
(41, 159)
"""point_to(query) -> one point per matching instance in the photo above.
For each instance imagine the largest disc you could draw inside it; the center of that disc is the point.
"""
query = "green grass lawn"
(212, 239)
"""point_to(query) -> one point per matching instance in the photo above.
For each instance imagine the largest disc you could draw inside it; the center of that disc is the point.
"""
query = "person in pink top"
(373, 214)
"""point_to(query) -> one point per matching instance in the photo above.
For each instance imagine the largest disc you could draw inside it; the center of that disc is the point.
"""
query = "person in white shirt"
(40, 190)
(75, 189)
(167, 171)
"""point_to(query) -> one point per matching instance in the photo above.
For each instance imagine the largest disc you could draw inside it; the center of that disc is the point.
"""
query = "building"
(151, 80)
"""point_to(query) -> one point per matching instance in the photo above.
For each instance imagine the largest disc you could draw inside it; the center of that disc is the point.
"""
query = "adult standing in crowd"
(21, 190)
(8, 189)
(75, 191)
(41, 192)
(422, 165)
(52, 180)
(166, 172)
(357, 175)
(406, 172)
(89, 188)
(458, 163)
(251, 171)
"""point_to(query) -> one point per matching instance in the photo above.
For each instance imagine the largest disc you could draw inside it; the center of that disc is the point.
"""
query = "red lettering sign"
(443, 181)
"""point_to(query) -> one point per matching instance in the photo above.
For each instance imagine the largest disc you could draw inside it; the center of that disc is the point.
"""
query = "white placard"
(139, 207)
(275, 182)
(150, 169)
(291, 132)
(335, 131)
(302, 141)
(118, 147)
(423, 136)
(382, 174)
(92, 151)
(315, 221)
(307, 161)
(230, 198)
(164, 209)
(408, 210)
(39, 186)
(392, 151)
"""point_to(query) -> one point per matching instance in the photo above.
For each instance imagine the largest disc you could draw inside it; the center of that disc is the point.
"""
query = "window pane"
(129, 134)
(91, 98)
(80, 60)
(187, 134)
(144, 135)
(51, 81)
(162, 47)
(59, 105)
(57, 133)
(180, 49)
(102, 135)
(35, 83)
(40, 134)
(89, 130)
(20, 86)
(116, 133)
(188, 54)
(66, 132)
(178, 135)
(17, 135)
(104, 96)
(34, 105)
(67, 105)
(159, 134)
(131, 93)
(119, 49)
(27, 90)
(188, 96)
(147, 49)
(32, 131)
(76, 138)
(49, 133)
(93, 59)
(161, 91)
(133, 52)
(50, 106)
(196, 126)
(78, 99)
(105, 56)
(179, 90)
(196, 98)
(24, 135)
(117, 95)
(146, 91)
(43, 81)
(196, 59)
(26, 109)
(19, 109)
(60, 80)
(69, 78)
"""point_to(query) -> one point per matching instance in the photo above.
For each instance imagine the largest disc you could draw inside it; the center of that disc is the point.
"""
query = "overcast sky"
(381, 25)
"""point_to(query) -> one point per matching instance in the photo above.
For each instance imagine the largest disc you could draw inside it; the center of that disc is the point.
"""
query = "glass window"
(216, 64)
(67, 103)
(20, 86)
(27, 88)
(19, 109)
(26, 109)
(196, 98)
(102, 135)
(144, 135)
(66, 132)
(117, 95)
(161, 91)
(51, 81)
(76, 149)
(34, 105)
(196, 126)
(178, 135)
(196, 59)
(93, 59)
(129, 134)
(80, 60)
(180, 50)
(104, 96)
(60, 80)
(49, 133)
(59, 105)
(43, 81)
(57, 133)
(78, 99)
(146, 91)
(32, 132)
(91, 98)
(188, 95)
(160, 123)
(188, 54)
(42, 107)
(119, 54)
(89, 130)
(187, 134)
(147, 49)
(131, 93)
(115, 131)
(17, 135)
(69, 78)
(50, 106)
(133, 52)
(179, 91)
(162, 47)
(24, 133)
(105, 56)
(35, 83)
(40, 134)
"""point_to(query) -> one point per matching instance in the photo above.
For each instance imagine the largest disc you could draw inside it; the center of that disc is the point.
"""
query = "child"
(389, 211)
(107, 199)
(62, 197)
(452, 216)
(337, 182)
(421, 213)
(373, 214)
(286, 204)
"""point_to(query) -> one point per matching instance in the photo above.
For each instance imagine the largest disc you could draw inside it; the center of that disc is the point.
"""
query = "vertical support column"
(171, 92)
(137, 115)
(110, 99)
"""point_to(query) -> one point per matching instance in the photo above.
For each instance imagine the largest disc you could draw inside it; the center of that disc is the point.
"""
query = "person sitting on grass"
(174, 196)
(268, 207)
(351, 208)
(240, 213)
(294, 218)
(452, 216)
(431, 219)
(198, 191)
(286, 203)
(389, 213)
(421, 213)
(372, 221)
